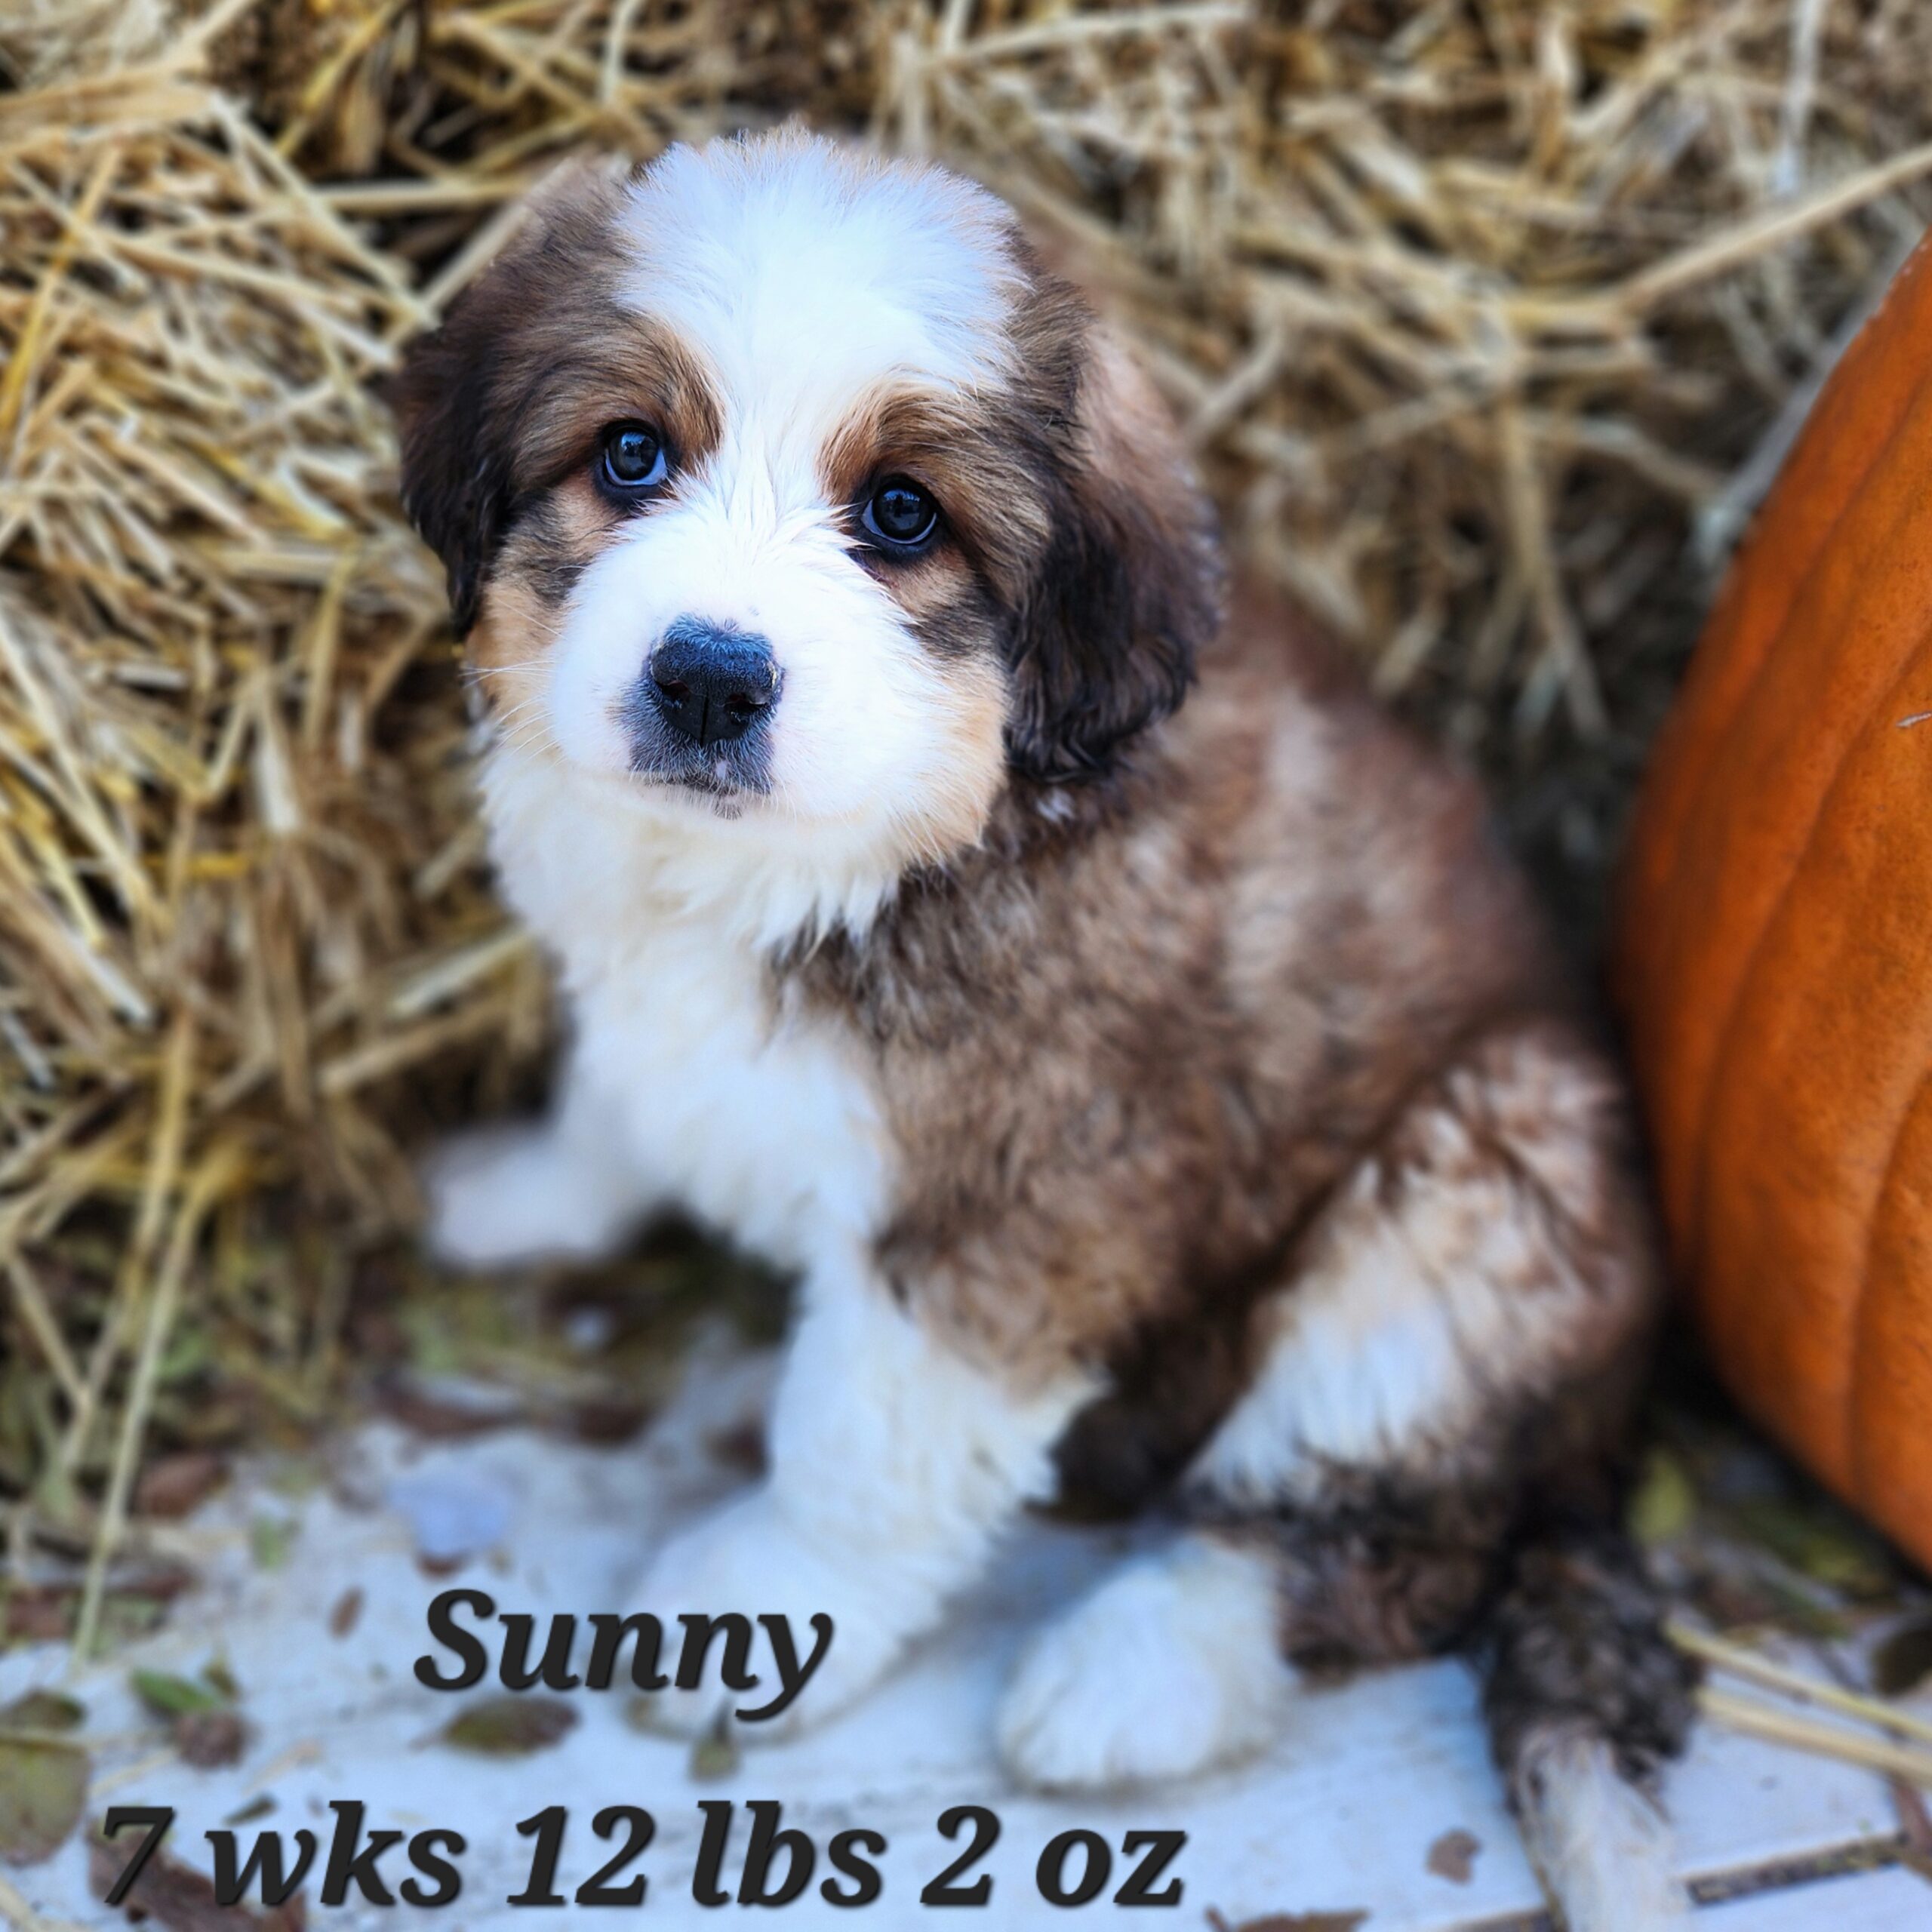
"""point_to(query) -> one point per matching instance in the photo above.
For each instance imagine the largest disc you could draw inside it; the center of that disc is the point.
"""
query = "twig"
(206, 1185)
(1825, 1740)
(1774, 228)
(1755, 1668)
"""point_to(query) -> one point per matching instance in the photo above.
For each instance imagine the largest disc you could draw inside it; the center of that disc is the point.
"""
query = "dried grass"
(1487, 321)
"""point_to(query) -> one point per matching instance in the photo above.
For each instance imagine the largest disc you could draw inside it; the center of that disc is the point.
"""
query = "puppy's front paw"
(749, 1559)
(507, 1196)
(1170, 1668)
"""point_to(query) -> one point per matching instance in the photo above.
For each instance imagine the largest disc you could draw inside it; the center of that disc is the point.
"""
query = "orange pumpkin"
(1773, 957)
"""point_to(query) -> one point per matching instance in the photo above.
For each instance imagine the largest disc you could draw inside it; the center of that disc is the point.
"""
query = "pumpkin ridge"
(1693, 739)
(1855, 1460)
(1700, 715)
(1909, 511)
(1824, 1443)
(1853, 742)
(1665, 944)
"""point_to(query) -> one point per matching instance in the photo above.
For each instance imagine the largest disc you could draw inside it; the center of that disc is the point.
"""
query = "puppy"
(1135, 1043)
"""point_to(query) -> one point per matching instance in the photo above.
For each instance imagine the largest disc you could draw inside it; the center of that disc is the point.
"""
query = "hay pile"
(1487, 320)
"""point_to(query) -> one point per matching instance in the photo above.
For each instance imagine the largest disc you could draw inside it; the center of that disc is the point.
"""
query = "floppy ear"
(1128, 587)
(457, 482)
(462, 388)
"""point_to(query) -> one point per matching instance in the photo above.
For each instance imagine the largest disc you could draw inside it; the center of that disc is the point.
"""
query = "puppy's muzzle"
(711, 684)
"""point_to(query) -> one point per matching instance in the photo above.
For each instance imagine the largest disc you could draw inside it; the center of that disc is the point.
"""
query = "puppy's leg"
(895, 1465)
(1172, 1665)
(566, 1188)
(1429, 1447)
(1420, 1462)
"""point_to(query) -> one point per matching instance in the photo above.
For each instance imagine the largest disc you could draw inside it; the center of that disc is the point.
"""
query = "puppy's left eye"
(632, 459)
(900, 515)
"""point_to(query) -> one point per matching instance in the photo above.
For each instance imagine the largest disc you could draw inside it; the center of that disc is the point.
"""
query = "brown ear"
(463, 387)
(1128, 588)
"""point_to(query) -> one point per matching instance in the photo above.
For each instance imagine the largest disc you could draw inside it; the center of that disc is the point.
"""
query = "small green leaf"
(715, 1754)
(43, 1785)
(1818, 1541)
(168, 1696)
(1664, 1503)
(269, 1539)
(509, 1727)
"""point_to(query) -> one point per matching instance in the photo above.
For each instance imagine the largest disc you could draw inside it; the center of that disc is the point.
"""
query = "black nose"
(712, 682)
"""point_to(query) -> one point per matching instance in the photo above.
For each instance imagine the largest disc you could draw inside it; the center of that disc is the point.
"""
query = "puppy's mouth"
(728, 774)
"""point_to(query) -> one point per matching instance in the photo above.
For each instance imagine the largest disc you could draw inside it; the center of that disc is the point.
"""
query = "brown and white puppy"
(1168, 1101)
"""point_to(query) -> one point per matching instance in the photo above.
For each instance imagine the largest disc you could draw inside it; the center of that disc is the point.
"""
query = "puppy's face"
(779, 481)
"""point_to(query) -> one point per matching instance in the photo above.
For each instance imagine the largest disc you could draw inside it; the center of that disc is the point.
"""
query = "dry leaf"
(1904, 1660)
(43, 1785)
(44, 1710)
(44, 1612)
(179, 1898)
(208, 1740)
(171, 1486)
(509, 1726)
(347, 1612)
(443, 1421)
(39, 1612)
(1290, 1921)
(1453, 1856)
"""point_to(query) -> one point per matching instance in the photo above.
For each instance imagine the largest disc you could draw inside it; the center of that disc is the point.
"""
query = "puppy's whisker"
(474, 674)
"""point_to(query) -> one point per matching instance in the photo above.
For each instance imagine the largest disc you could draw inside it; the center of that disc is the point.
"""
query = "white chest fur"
(685, 1084)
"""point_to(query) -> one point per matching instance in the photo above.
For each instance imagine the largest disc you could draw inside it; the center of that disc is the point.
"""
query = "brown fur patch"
(1132, 1050)
(990, 478)
(1107, 1104)
(504, 403)
(1128, 590)
(1067, 497)
(623, 366)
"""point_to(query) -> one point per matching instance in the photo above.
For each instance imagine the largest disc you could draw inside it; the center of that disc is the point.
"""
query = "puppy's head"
(780, 481)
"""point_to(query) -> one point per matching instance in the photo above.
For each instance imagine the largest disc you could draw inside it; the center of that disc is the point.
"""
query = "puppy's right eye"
(632, 460)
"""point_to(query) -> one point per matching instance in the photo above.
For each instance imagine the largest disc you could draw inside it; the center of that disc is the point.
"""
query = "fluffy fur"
(1174, 1665)
(1162, 1103)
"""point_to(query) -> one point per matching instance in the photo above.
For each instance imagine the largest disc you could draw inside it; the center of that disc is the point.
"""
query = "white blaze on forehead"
(804, 272)
(801, 277)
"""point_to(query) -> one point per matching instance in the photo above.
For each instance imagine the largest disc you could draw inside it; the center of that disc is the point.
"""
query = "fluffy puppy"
(1169, 1103)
